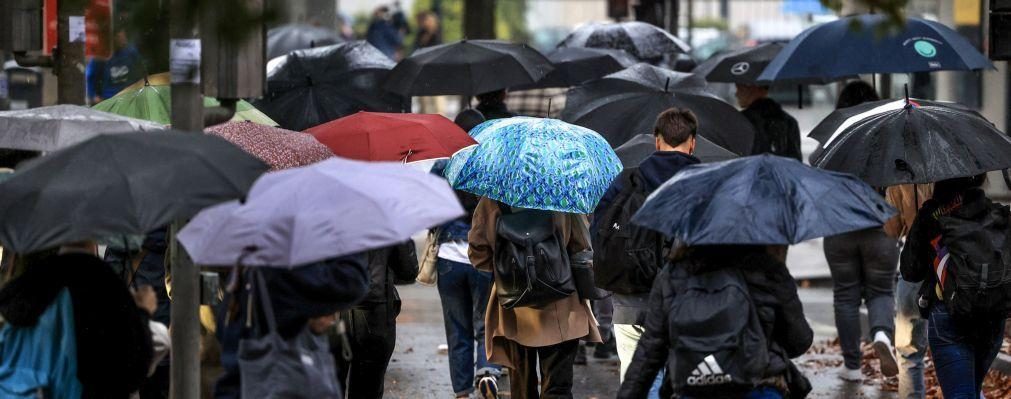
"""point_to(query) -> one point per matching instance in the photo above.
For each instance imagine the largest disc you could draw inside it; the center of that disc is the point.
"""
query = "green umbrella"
(152, 101)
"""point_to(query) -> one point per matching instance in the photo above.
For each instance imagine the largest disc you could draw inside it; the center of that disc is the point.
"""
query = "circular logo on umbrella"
(925, 48)
(740, 68)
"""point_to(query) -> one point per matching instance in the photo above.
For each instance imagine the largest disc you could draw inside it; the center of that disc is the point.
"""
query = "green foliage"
(717, 23)
(510, 19)
(893, 10)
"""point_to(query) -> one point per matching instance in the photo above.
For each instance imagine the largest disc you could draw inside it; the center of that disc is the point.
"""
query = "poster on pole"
(184, 60)
(76, 28)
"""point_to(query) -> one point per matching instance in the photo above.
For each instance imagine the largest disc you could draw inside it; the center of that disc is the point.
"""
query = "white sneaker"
(851, 375)
(886, 355)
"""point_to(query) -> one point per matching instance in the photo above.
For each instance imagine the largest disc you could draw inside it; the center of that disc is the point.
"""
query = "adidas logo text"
(708, 372)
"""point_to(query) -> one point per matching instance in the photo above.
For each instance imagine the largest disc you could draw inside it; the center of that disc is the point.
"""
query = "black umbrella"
(309, 87)
(894, 142)
(642, 146)
(642, 40)
(467, 67)
(577, 65)
(287, 38)
(740, 66)
(120, 184)
(626, 103)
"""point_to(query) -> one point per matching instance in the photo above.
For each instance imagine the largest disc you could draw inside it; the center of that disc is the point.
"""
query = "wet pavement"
(419, 370)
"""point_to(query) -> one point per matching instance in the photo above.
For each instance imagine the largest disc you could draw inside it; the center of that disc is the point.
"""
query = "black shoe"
(606, 350)
(580, 355)
(487, 386)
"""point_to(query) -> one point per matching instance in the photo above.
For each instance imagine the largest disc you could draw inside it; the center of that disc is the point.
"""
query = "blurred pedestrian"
(863, 265)
(372, 322)
(533, 341)
(464, 291)
(382, 34)
(772, 327)
(910, 328)
(776, 132)
(124, 67)
(297, 296)
(958, 243)
(675, 142)
(111, 333)
(492, 105)
(429, 32)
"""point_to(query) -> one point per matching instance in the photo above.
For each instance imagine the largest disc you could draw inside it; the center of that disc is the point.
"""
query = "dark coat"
(775, 296)
(497, 110)
(656, 169)
(297, 295)
(776, 132)
(397, 264)
(113, 338)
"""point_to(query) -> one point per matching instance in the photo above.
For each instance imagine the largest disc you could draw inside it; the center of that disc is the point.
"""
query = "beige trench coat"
(564, 320)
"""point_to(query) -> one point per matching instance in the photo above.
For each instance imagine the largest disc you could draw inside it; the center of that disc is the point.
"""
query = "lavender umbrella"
(329, 209)
(279, 148)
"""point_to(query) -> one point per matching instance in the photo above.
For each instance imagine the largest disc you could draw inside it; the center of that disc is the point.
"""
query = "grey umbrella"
(60, 126)
(642, 146)
(287, 38)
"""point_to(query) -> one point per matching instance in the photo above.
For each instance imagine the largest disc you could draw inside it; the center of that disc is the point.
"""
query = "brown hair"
(676, 125)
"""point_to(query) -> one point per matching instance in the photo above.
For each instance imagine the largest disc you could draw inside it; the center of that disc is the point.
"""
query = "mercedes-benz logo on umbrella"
(740, 68)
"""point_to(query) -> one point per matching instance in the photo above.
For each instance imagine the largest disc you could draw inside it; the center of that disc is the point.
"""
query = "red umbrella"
(375, 136)
(279, 148)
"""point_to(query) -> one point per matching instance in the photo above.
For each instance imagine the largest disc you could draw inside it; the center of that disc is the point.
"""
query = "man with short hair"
(675, 132)
(776, 132)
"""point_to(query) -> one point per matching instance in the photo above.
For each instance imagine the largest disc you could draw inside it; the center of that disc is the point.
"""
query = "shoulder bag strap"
(264, 297)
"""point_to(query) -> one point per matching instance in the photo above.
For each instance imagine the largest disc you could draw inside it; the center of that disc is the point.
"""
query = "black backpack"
(978, 265)
(626, 257)
(531, 261)
(717, 340)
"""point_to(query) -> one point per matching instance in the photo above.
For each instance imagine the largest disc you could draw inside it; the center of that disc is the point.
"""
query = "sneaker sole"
(487, 392)
(889, 365)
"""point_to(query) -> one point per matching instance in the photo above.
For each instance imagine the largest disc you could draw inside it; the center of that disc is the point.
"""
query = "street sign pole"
(187, 116)
(70, 52)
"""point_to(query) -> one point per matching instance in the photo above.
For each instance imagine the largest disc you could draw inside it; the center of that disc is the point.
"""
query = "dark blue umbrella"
(860, 44)
(761, 200)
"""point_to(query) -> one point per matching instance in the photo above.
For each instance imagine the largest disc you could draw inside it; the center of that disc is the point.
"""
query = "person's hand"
(146, 299)
(319, 325)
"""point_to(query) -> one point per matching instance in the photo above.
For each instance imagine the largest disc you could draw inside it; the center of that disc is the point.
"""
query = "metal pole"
(187, 115)
(70, 52)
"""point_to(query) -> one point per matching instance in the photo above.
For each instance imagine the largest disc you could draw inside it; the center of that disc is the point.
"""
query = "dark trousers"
(863, 265)
(962, 350)
(555, 365)
(464, 292)
(372, 335)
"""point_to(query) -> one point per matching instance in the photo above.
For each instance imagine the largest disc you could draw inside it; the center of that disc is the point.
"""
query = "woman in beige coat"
(524, 337)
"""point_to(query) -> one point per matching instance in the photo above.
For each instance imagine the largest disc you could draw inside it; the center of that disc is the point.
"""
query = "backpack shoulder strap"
(505, 209)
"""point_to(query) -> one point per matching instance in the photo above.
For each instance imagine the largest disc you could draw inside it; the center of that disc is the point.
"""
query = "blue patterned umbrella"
(536, 163)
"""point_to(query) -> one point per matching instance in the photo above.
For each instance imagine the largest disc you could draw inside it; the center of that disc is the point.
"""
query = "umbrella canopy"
(279, 148)
(536, 163)
(59, 126)
(467, 67)
(897, 142)
(309, 87)
(626, 103)
(325, 210)
(120, 184)
(644, 41)
(854, 45)
(290, 37)
(577, 65)
(640, 147)
(373, 136)
(740, 66)
(760, 200)
(152, 100)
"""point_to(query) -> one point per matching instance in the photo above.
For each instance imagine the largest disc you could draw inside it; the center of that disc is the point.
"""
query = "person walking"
(122, 69)
(464, 291)
(429, 34)
(910, 328)
(674, 133)
(776, 132)
(780, 332)
(960, 235)
(863, 265)
(382, 34)
(533, 340)
(372, 323)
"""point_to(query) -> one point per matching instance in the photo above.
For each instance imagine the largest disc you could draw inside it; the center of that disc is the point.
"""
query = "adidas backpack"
(976, 271)
(717, 341)
(531, 260)
(626, 257)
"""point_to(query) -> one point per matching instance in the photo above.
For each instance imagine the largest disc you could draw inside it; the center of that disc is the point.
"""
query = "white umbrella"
(60, 126)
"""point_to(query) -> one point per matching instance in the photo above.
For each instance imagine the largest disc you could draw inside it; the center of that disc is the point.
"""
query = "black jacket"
(917, 260)
(496, 110)
(113, 337)
(397, 264)
(776, 132)
(775, 296)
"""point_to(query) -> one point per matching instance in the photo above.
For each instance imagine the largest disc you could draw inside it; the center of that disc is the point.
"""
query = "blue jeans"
(464, 292)
(963, 352)
(759, 393)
